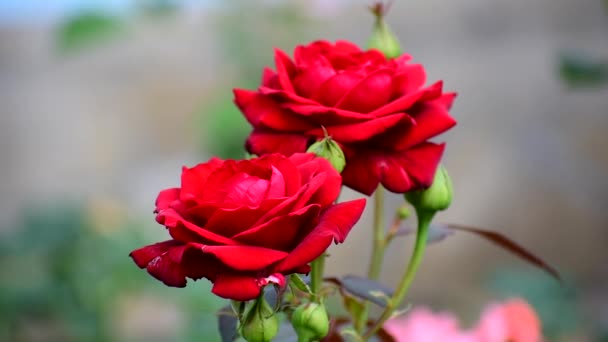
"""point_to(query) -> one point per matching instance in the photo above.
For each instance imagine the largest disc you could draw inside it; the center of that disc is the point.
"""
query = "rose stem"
(424, 221)
(316, 276)
(379, 244)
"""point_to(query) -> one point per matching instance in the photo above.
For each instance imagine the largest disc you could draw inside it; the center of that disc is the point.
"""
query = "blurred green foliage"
(579, 70)
(65, 279)
(87, 29)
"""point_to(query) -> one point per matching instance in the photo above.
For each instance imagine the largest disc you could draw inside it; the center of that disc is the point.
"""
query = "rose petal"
(431, 120)
(334, 224)
(399, 172)
(165, 198)
(312, 76)
(282, 232)
(411, 77)
(244, 258)
(144, 255)
(326, 116)
(370, 93)
(231, 221)
(244, 189)
(270, 78)
(263, 142)
(185, 231)
(360, 131)
(276, 189)
(405, 102)
(332, 90)
(236, 286)
(193, 179)
(262, 111)
(166, 267)
(285, 69)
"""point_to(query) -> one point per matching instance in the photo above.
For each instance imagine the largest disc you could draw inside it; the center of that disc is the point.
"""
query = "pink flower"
(512, 321)
(422, 325)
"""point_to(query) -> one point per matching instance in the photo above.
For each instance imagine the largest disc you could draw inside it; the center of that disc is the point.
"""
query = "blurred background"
(102, 102)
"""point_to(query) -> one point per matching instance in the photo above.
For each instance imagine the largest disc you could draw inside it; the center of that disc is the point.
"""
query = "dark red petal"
(411, 77)
(300, 158)
(405, 102)
(196, 264)
(360, 131)
(342, 217)
(231, 221)
(310, 78)
(263, 142)
(431, 120)
(245, 258)
(283, 232)
(285, 69)
(185, 231)
(399, 171)
(370, 93)
(262, 111)
(243, 189)
(286, 96)
(334, 224)
(288, 171)
(166, 267)
(194, 179)
(144, 255)
(334, 89)
(326, 116)
(236, 286)
(276, 189)
(344, 46)
(165, 198)
(324, 182)
(269, 78)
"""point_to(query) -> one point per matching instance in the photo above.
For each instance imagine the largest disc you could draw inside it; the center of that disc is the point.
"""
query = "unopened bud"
(382, 37)
(403, 212)
(437, 197)
(261, 324)
(329, 149)
(310, 321)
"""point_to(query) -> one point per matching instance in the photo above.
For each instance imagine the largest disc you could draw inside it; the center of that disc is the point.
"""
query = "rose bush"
(377, 109)
(244, 224)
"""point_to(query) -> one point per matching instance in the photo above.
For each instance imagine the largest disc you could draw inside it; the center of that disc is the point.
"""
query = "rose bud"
(403, 212)
(382, 37)
(310, 321)
(328, 149)
(437, 197)
(261, 324)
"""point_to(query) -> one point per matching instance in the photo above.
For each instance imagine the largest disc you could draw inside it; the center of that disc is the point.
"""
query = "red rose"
(377, 109)
(243, 224)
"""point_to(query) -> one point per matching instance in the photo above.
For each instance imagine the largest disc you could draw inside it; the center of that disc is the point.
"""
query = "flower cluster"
(332, 114)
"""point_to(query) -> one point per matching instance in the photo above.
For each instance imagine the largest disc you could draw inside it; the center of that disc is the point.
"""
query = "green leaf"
(296, 281)
(437, 232)
(511, 246)
(364, 288)
(227, 324)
